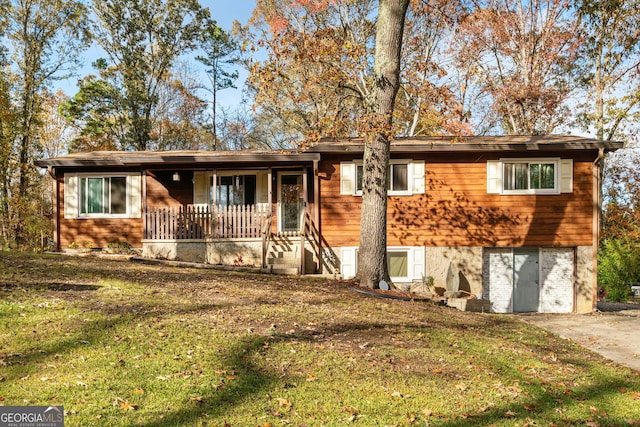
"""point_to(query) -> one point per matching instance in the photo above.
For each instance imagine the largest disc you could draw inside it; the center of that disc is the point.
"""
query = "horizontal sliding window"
(102, 195)
(530, 176)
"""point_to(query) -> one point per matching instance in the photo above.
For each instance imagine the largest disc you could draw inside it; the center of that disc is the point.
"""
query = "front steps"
(283, 255)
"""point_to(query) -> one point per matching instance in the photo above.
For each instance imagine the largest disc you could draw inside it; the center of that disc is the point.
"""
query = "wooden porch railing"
(198, 222)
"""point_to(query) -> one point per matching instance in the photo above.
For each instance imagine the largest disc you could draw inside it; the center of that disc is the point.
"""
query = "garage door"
(529, 279)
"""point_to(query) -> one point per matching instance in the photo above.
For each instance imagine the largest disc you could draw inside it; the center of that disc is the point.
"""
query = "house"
(512, 219)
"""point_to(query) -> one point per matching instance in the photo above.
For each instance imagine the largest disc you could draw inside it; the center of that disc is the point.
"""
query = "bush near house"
(618, 268)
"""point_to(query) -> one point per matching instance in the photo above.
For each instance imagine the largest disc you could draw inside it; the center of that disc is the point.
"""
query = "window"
(530, 176)
(103, 195)
(405, 264)
(398, 264)
(404, 178)
(235, 190)
(92, 195)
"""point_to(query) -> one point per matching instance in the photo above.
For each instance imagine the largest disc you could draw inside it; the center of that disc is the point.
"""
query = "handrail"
(266, 238)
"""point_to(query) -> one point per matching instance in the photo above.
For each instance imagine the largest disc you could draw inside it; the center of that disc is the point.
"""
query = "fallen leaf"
(509, 414)
(126, 406)
(283, 402)
(138, 391)
(530, 407)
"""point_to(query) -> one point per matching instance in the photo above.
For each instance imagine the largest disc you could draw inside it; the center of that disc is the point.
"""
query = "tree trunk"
(372, 264)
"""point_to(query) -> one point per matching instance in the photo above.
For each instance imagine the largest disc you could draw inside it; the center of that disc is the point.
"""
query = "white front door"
(290, 201)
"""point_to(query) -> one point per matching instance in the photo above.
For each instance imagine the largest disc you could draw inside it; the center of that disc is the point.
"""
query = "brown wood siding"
(162, 191)
(457, 211)
(99, 232)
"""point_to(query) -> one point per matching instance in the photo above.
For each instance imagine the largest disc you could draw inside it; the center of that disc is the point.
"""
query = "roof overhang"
(472, 144)
(195, 159)
(176, 158)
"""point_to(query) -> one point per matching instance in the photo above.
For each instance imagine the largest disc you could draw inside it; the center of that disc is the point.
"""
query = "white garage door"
(533, 279)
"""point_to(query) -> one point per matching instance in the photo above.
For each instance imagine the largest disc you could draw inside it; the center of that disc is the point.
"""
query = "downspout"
(598, 166)
(55, 187)
(144, 207)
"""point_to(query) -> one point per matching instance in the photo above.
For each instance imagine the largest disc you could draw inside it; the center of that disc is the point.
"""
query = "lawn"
(119, 343)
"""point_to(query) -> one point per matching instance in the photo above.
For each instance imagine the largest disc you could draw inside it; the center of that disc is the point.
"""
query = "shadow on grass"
(249, 381)
(548, 406)
(48, 286)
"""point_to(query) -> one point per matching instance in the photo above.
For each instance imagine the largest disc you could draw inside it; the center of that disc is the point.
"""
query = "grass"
(124, 344)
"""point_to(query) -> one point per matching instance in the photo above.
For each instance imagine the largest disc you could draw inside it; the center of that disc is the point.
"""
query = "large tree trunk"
(372, 265)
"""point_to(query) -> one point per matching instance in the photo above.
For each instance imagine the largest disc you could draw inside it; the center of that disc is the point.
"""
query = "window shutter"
(200, 188)
(418, 176)
(347, 178)
(262, 187)
(348, 262)
(566, 176)
(418, 263)
(135, 196)
(70, 196)
(494, 176)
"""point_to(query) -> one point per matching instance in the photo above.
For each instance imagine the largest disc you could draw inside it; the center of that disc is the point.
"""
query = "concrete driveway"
(613, 331)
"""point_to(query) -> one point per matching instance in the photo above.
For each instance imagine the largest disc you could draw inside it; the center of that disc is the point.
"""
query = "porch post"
(270, 192)
(316, 213)
(143, 174)
(303, 232)
(214, 188)
(56, 208)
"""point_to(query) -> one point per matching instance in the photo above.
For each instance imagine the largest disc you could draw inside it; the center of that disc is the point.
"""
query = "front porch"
(237, 235)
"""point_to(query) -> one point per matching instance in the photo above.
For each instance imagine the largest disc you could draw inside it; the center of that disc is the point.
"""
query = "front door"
(526, 280)
(290, 201)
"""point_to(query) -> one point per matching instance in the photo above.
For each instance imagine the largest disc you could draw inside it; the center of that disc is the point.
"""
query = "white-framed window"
(108, 195)
(530, 176)
(406, 177)
(103, 195)
(405, 263)
(230, 188)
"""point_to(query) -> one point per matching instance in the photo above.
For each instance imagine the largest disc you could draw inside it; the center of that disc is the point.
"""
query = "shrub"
(618, 267)
(123, 247)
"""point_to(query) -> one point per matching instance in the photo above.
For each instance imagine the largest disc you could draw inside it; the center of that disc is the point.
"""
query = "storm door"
(526, 280)
(290, 201)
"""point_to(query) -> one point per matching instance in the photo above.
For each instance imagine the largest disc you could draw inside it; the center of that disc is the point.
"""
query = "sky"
(223, 11)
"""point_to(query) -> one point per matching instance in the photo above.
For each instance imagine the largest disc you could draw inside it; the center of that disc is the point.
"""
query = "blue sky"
(223, 11)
